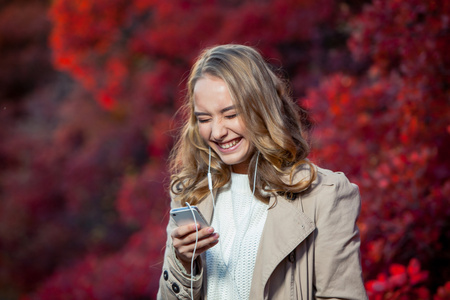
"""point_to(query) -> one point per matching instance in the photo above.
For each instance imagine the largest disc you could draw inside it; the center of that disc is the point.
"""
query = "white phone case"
(183, 216)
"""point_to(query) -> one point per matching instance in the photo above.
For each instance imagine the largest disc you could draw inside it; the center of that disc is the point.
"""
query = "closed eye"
(231, 116)
(203, 120)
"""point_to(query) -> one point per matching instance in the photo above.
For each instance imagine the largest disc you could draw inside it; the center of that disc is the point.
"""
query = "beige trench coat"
(309, 247)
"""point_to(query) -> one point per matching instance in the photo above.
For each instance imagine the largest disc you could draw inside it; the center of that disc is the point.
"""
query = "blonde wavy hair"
(263, 102)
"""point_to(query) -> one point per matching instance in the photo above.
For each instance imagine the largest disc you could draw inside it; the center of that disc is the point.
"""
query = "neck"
(240, 168)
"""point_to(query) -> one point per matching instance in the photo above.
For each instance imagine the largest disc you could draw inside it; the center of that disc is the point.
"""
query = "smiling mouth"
(229, 144)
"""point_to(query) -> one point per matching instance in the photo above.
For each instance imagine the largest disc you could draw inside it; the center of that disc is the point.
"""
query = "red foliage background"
(89, 90)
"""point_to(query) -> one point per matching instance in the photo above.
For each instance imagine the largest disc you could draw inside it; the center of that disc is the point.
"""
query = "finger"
(188, 231)
(202, 234)
(205, 242)
(185, 253)
(203, 249)
(181, 231)
(188, 255)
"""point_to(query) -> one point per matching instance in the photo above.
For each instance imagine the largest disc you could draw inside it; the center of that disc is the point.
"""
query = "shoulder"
(335, 178)
(331, 182)
(331, 199)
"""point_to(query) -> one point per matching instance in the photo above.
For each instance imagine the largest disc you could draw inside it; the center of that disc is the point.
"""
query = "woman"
(281, 227)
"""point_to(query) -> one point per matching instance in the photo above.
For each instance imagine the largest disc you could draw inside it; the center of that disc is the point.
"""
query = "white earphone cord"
(193, 252)
(196, 227)
(210, 185)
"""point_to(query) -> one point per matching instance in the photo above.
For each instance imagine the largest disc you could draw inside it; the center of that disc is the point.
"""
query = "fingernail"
(210, 230)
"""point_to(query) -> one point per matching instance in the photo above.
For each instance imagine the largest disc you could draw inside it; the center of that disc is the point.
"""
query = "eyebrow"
(224, 110)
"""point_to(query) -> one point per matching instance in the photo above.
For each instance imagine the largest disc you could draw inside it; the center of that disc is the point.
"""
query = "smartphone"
(183, 216)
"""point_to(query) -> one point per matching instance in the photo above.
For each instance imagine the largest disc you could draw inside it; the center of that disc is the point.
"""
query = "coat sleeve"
(337, 262)
(174, 282)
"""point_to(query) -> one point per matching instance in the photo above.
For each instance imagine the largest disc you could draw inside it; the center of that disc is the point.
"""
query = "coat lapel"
(285, 228)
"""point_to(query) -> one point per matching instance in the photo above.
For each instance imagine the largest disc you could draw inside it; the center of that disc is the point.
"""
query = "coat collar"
(285, 228)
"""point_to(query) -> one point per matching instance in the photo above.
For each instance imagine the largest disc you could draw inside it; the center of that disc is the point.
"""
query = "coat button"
(292, 257)
(175, 288)
(166, 275)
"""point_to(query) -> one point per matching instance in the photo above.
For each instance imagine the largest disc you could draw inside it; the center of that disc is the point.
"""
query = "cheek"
(244, 132)
(204, 131)
(240, 126)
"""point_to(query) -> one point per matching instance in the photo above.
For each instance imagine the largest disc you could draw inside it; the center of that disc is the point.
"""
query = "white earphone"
(196, 227)
(193, 252)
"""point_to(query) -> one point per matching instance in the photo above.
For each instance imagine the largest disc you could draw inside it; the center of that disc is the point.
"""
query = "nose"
(218, 130)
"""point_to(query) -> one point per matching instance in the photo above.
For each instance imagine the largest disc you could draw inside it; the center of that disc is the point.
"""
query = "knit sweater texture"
(239, 219)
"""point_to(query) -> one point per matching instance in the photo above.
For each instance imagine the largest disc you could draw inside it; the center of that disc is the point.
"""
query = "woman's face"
(220, 125)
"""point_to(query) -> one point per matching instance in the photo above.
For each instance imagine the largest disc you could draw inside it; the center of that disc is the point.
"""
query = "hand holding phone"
(185, 235)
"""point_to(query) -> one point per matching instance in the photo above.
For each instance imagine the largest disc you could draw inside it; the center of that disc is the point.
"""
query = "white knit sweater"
(239, 219)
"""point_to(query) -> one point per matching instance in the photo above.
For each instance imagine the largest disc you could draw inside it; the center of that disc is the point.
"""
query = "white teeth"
(229, 145)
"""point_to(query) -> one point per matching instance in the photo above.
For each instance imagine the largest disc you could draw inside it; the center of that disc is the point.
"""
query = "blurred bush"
(88, 94)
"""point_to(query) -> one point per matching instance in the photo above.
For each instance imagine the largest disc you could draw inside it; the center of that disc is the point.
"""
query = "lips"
(229, 144)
